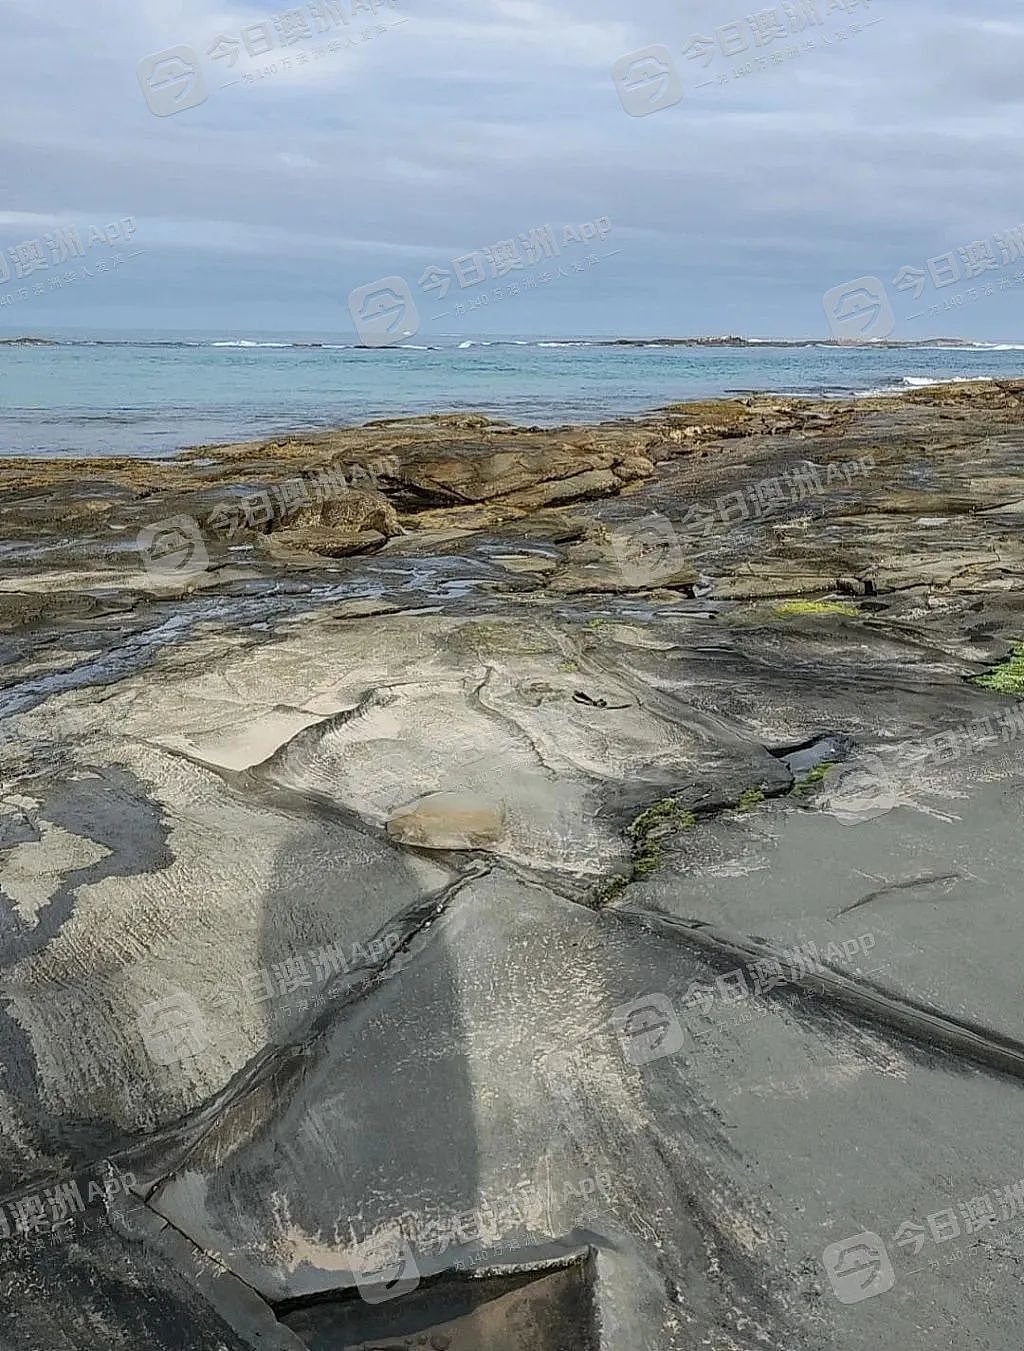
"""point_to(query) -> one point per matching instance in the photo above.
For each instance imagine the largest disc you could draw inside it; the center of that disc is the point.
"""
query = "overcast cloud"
(733, 211)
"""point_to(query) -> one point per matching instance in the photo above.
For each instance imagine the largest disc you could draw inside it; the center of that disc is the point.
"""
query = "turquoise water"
(146, 395)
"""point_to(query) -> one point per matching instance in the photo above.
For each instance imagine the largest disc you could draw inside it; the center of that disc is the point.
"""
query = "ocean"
(152, 394)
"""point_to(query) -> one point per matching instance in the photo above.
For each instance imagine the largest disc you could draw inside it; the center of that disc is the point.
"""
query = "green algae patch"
(665, 812)
(646, 833)
(607, 891)
(1008, 676)
(649, 862)
(749, 799)
(794, 608)
(812, 778)
(663, 816)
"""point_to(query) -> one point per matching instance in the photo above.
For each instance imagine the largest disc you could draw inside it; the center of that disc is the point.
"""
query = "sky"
(436, 130)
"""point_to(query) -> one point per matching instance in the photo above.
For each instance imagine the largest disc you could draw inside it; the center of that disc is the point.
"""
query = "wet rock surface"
(517, 888)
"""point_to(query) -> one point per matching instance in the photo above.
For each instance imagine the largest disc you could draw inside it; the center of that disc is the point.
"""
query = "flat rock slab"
(438, 923)
(517, 1054)
(926, 884)
(241, 913)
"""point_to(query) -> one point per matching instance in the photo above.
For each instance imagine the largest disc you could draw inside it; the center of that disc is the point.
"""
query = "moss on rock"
(812, 778)
(1008, 676)
(795, 608)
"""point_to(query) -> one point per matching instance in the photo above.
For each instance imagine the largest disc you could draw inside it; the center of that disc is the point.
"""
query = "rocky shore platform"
(473, 886)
